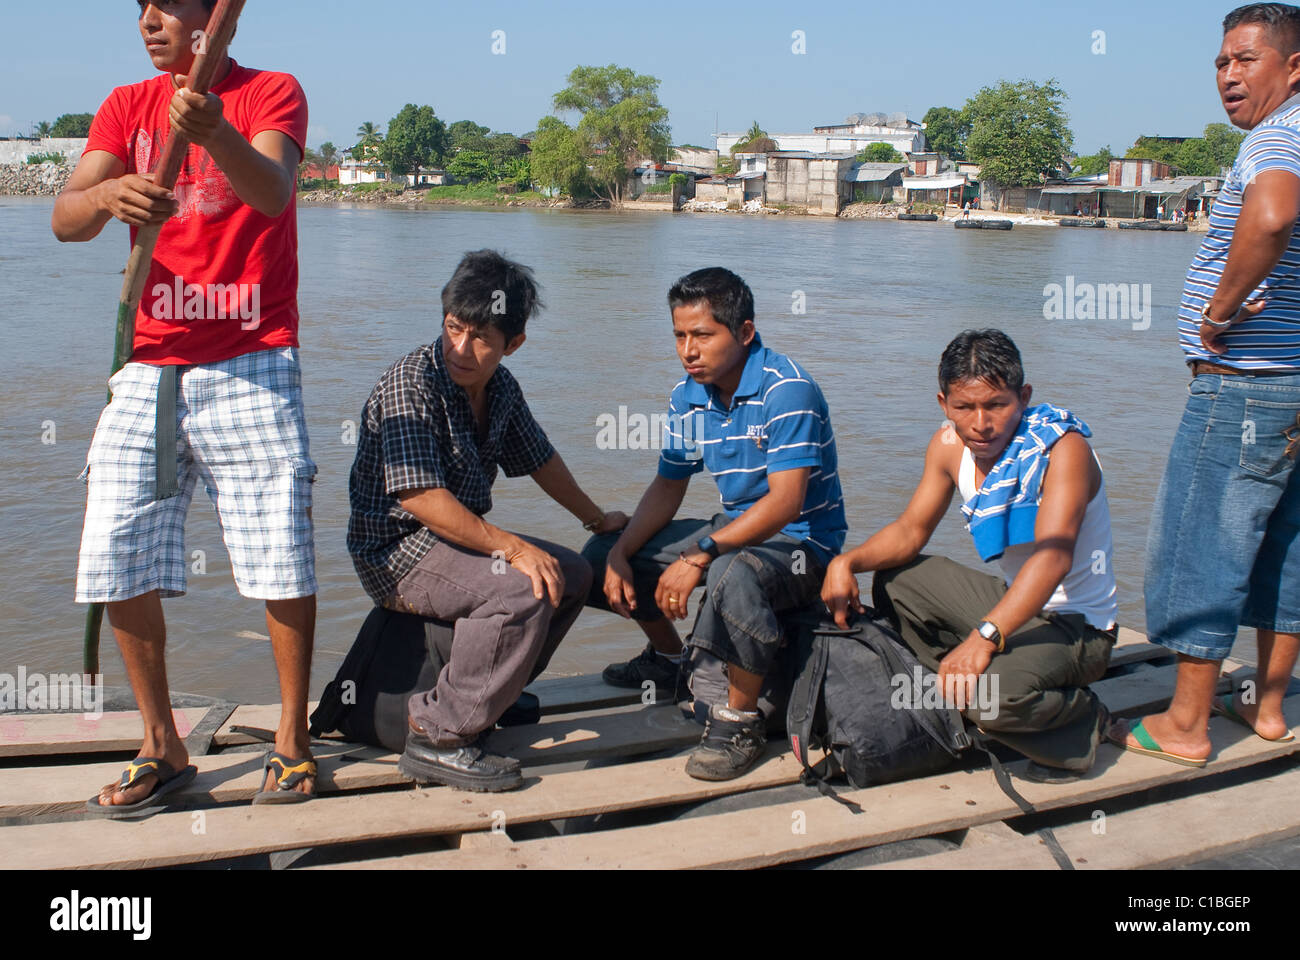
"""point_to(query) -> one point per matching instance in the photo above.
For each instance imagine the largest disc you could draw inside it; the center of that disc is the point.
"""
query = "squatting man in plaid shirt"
(433, 433)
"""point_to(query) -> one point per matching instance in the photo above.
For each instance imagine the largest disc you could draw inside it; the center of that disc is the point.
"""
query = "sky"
(1141, 67)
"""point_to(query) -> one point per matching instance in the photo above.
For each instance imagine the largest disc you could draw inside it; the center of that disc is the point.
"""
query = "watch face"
(988, 631)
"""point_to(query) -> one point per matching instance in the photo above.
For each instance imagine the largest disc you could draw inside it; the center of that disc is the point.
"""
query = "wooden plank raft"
(621, 732)
(820, 826)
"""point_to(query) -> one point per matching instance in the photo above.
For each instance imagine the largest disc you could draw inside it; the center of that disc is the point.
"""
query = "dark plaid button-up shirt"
(418, 431)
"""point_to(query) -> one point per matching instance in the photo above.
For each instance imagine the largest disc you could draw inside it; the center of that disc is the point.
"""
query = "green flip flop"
(1149, 747)
(1222, 707)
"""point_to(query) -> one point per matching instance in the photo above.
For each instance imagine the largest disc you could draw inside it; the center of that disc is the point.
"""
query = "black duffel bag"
(842, 701)
(394, 656)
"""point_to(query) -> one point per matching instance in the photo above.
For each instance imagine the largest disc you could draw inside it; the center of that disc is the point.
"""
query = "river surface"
(881, 300)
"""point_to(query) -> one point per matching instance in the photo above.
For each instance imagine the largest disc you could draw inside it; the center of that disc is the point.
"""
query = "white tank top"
(1089, 587)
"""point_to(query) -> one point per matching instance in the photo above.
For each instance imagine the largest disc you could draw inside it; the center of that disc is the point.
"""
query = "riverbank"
(33, 179)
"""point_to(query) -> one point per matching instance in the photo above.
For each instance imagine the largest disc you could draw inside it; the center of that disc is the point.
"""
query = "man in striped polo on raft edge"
(760, 425)
(1015, 652)
(217, 329)
(1223, 549)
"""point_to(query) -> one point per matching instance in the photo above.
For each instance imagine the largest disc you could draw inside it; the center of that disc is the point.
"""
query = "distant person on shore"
(228, 361)
(436, 428)
(1223, 549)
(1033, 493)
(759, 423)
(965, 211)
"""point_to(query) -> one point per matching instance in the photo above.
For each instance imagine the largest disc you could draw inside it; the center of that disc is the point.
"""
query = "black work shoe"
(649, 664)
(732, 743)
(467, 767)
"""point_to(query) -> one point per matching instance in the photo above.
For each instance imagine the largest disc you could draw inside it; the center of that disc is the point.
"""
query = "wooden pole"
(212, 45)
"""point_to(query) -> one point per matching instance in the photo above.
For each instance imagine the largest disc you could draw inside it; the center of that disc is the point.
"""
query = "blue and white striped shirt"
(778, 420)
(1272, 339)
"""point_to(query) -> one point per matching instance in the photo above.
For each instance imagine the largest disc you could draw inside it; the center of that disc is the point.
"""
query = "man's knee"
(731, 574)
(578, 574)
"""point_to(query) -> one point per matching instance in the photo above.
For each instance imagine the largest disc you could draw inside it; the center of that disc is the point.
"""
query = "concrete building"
(695, 160)
(352, 172)
(814, 181)
(853, 136)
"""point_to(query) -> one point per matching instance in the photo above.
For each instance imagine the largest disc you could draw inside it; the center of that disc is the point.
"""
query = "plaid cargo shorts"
(240, 428)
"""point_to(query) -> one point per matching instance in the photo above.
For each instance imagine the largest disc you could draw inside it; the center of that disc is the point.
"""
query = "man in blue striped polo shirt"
(1223, 548)
(760, 425)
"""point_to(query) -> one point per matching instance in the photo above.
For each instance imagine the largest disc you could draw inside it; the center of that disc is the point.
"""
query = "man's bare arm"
(903, 540)
(99, 190)
(440, 511)
(261, 172)
(557, 482)
(1069, 485)
(1261, 236)
(765, 518)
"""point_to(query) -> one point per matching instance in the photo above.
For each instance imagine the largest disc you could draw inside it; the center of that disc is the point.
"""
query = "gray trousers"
(1045, 709)
(745, 590)
(504, 636)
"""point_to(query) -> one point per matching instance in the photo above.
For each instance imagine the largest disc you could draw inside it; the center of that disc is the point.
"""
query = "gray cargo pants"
(504, 636)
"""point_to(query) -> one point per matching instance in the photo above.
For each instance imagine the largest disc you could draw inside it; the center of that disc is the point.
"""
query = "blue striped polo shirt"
(1272, 339)
(778, 420)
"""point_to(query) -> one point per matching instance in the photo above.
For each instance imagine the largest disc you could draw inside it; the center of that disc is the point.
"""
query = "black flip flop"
(293, 771)
(169, 780)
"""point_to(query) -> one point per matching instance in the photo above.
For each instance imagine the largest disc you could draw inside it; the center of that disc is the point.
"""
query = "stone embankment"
(34, 179)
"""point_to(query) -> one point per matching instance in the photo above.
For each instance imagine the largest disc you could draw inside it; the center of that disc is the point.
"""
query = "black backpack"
(394, 656)
(840, 701)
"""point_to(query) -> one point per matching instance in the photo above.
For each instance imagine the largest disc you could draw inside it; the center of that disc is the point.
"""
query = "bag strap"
(980, 741)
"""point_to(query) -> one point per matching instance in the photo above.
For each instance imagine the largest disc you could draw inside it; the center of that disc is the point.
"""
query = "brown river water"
(881, 301)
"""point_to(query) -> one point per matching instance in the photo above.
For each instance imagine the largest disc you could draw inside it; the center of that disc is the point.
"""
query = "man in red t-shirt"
(220, 307)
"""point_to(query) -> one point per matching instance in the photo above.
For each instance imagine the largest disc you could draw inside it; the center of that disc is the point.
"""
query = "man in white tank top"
(1017, 651)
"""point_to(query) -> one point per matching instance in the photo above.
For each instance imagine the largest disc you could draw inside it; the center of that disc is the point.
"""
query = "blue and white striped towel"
(1004, 510)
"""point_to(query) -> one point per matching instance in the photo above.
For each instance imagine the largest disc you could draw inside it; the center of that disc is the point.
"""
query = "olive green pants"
(1044, 708)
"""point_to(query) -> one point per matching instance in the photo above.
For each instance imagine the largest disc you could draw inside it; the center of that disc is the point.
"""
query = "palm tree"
(755, 132)
(43, 129)
(370, 137)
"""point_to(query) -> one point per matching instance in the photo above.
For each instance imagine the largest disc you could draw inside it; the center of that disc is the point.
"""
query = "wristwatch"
(707, 545)
(990, 632)
(1217, 324)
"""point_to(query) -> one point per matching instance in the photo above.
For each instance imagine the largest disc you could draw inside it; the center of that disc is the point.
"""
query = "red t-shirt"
(224, 279)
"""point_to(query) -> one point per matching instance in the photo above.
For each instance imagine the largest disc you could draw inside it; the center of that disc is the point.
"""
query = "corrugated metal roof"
(874, 172)
(1073, 188)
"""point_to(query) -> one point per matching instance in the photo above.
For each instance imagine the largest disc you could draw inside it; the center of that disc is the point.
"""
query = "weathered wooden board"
(55, 733)
(46, 734)
(820, 826)
(1166, 835)
(45, 790)
(35, 791)
(168, 838)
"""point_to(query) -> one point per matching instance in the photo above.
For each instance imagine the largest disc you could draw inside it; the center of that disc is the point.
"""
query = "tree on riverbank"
(416, 138)
(946, 131)
(1093, 163)
(72, 125)
(879, 153)
(1019, 132)
(368, 140)
(1202, 156)
(43, 129)
(622, 120)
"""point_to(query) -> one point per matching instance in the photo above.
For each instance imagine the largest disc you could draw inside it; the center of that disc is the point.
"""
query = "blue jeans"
(1223, 549)
(745, 590)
